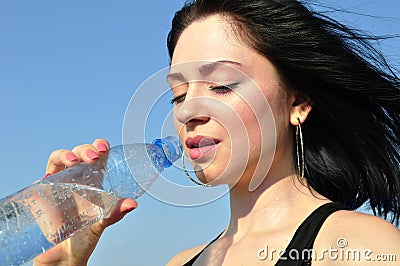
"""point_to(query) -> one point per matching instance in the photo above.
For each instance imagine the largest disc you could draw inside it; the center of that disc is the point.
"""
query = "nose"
(194, 110)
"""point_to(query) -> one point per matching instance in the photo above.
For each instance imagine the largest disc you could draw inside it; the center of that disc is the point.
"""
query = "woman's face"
(231, 110)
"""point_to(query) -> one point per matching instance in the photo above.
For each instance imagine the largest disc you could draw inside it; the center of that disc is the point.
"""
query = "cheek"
(252, 124)
(180, 128)
(255, 111)
(259, 121)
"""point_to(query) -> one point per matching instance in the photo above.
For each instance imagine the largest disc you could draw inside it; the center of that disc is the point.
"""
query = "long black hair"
(352, 135)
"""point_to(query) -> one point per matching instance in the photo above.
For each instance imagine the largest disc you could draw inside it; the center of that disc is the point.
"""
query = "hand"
(77, 249)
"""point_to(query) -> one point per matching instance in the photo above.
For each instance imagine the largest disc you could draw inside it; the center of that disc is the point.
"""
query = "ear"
(301, 107)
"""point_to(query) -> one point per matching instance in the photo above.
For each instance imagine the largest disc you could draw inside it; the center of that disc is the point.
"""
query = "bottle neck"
(171, 147)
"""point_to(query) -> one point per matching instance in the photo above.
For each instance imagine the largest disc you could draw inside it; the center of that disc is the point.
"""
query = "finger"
(123, 207)
(87, 153)
(102, 146)
(60, 159)
(45, 176)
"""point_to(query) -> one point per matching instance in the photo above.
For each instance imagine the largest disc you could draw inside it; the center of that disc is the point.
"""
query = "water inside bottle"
(74, 207)
(46, 214)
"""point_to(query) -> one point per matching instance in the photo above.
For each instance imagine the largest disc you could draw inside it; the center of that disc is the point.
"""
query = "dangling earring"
(187, 173)
(299, 150)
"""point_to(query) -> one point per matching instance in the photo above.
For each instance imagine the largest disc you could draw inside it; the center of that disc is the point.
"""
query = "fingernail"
(128, 211)
(72, 158)
(46, 176)
(102, 147)
(92, 155)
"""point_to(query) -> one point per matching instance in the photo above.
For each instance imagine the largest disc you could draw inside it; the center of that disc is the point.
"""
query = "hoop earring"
(188, 175)
(300, 150)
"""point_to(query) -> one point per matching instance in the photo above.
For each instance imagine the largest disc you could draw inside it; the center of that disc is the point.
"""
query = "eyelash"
(224, 89)
(220, 90)
(178, 99)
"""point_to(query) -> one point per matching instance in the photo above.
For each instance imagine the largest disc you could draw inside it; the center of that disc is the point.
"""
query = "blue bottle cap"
(172, 148)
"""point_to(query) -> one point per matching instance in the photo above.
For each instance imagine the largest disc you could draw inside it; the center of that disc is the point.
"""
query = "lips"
(201, 146)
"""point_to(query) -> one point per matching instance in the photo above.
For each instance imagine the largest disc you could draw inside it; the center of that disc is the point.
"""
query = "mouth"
(201, 146)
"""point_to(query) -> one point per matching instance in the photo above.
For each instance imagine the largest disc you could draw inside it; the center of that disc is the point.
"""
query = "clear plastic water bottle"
(46, 213)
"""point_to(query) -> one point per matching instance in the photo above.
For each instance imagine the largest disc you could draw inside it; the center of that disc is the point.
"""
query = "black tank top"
(303, 238)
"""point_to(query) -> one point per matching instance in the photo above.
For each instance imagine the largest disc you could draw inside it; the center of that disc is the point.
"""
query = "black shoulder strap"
(303, 238)
(305, 235)
(190, 262)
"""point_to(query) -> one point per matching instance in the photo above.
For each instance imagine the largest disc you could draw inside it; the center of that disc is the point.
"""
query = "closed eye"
(224, 88)
(178, 99)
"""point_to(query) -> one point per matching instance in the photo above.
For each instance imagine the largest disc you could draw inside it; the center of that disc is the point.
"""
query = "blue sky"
(67, 72)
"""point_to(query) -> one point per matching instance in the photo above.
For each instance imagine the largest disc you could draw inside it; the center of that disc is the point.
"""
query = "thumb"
(123, 207)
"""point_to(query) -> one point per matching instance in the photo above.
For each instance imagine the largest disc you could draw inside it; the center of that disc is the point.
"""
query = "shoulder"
(184, 256)
(363, 235)
(362, 225)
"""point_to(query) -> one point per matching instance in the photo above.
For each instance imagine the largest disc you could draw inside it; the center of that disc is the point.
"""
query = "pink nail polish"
(92, 155)
(46, 175)
(102, 147)
(128, 211)
(72, 158)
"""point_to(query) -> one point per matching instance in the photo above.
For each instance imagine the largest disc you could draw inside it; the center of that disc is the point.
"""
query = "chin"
(210, 177)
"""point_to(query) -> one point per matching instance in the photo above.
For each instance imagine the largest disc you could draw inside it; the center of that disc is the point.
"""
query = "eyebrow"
(208, 68)
(204, 69)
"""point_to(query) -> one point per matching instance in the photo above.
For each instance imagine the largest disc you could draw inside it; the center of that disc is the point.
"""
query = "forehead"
(200, 70)
(213, 40)
(209, 39)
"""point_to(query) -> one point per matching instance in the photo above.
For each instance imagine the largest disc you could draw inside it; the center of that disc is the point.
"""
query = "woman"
(336, 111)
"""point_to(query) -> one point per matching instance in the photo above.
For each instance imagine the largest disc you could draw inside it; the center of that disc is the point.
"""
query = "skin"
(271, 213)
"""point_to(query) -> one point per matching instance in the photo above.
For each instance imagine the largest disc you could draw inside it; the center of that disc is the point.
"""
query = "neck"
(272, 206)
